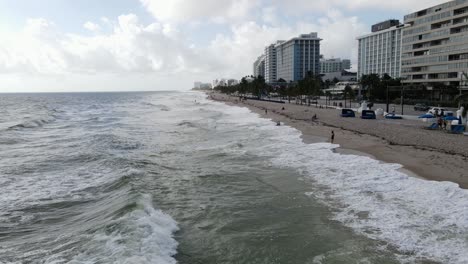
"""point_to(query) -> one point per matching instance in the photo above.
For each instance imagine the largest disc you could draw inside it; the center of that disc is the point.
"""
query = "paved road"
(407, 109)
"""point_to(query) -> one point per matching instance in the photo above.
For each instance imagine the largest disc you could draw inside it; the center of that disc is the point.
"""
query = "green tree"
(327, 97)
(283, 91)
(243, 86)
(349, 93)
(370, 82)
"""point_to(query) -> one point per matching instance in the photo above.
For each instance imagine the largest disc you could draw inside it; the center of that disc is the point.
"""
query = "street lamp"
(462, 74)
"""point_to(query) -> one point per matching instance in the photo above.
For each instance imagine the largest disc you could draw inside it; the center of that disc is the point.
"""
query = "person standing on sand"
(266, 111)
(332, 136)
(439, 122)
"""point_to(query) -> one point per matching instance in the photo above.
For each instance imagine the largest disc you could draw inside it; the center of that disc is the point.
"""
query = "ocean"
(171, 177)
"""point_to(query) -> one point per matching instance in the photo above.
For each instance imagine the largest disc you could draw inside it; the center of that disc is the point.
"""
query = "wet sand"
(433, 155)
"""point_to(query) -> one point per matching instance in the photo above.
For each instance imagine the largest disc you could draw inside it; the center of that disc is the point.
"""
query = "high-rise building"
(435, 44)
(270, 63)
(385, 24)
(334, 65)
(259, 66)
(197, 85)
(346, 64)
(298, 56)
(380, 51)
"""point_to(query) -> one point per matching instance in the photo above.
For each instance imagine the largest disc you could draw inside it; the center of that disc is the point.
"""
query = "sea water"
(171, 177)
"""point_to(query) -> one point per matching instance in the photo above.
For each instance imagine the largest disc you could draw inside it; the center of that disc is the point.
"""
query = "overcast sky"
(134, 45)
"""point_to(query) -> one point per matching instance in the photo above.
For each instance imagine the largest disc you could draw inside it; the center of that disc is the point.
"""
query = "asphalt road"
(407, 109)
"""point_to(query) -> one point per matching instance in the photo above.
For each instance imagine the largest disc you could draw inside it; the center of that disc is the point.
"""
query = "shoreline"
(417, 161)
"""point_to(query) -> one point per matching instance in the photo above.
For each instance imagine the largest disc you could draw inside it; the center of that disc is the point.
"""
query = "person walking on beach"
(439, 122)
(332, 136)
(266, 111)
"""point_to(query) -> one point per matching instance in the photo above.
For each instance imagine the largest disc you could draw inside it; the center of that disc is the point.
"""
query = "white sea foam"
(422, 219)
(36, 189)
(144, 235)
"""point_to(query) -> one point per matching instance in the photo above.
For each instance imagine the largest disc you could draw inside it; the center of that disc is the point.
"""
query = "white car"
(435, 110)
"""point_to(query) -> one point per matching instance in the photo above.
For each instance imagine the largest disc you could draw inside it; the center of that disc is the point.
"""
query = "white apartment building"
(334, 65)
(435, 44)
(259, 66)
(380, 51)
(270, 63)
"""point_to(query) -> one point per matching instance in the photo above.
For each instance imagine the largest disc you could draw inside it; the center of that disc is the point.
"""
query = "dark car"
(368, 114)
(421, 107)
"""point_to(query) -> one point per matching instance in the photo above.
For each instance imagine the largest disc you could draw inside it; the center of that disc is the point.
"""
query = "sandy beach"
(433, 155)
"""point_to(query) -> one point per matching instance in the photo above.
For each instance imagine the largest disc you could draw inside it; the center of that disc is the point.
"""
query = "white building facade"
(271, 63)
(259, 67)
(435, 45)
(334, 65)
(380, 52)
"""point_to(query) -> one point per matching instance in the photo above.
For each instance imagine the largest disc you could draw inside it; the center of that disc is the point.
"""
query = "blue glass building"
(298, 56)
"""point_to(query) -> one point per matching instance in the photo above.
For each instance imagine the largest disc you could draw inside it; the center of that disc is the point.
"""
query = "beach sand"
(432, 155)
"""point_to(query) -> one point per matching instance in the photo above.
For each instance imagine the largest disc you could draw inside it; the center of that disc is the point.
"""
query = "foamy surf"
(144, 235)
(423, 220)
(71, 191)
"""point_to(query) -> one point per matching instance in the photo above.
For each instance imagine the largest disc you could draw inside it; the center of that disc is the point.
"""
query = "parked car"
(421, 107)
(368, 114)
(436, 110)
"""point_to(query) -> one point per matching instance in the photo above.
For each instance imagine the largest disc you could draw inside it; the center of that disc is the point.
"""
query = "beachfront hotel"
(270, 63)
(380, 51)
(334, 65)
(259, 66)
(290, 60)
(298, 56)
(435, 44)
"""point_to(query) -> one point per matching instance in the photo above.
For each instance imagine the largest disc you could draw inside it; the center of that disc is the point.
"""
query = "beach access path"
(430, 154)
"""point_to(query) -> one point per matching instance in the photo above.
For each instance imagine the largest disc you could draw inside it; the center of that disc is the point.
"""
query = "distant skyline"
(136, 45)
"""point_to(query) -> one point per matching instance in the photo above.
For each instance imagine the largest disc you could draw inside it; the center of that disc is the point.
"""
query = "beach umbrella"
(450, 118)
(426, 116)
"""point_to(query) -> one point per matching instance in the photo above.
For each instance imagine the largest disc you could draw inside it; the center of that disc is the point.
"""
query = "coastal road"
(407, 109)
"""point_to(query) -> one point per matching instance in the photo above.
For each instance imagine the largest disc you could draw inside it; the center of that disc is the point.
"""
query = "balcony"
(458, 30)
(460, 11)
(421, 53)
(460, 20)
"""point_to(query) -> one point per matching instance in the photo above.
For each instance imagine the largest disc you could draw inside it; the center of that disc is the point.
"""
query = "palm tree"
(370, 81)
(327, 97)
(290, 90)
(349, 92)
(243, 86)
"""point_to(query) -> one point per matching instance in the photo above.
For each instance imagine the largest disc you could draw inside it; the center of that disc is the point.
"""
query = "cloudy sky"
(125, 45)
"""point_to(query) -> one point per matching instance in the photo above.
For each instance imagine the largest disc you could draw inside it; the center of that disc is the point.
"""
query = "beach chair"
(434, 126)
(393, 116)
